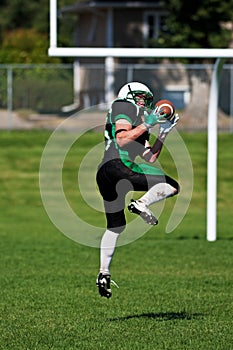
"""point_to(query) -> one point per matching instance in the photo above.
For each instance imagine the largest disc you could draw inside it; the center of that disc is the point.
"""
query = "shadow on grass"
(162, 316)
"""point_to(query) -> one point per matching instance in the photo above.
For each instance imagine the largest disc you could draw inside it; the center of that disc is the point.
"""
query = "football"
(166, 107)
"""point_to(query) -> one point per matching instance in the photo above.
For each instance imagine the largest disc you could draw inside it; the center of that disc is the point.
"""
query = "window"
(154, 23)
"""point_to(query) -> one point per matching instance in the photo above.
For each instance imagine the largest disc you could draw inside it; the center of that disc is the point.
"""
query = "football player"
(127, 133)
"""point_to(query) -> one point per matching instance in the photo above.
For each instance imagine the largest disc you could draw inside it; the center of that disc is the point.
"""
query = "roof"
(86, 6)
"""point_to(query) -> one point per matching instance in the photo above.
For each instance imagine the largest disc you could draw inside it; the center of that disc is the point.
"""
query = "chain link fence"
(40, 89)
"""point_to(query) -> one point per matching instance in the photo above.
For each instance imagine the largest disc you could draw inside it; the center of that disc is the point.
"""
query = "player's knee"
(116, 221)
(174, 184)
(118, 229)
(177, 189)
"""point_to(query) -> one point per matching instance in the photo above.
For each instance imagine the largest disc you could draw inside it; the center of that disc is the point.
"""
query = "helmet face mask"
(137, 93)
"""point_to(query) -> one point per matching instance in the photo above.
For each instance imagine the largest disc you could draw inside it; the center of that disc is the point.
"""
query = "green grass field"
(176, 290)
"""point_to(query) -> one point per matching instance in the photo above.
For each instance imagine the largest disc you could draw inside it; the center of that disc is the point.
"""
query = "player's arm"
(124, 114)
(152, 153)
(125, 134)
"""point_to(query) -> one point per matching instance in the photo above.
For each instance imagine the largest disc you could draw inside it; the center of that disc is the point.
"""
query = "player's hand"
(154, 118)
(166, 127)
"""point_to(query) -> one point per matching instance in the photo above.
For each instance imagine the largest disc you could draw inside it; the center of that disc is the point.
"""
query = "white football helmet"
(131, 90)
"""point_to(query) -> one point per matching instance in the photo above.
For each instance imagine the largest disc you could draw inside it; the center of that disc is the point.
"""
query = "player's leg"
(107, 249)
(166, 187)
(115, 225)
(160, 187)
(114, 203)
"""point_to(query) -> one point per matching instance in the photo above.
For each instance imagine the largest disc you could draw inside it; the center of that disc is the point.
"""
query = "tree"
(25, 46)
(24, 31)
(197, 24)
(24, 14)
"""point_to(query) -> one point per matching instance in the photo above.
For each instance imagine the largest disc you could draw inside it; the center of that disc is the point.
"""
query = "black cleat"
(141, 209)
(103, 282)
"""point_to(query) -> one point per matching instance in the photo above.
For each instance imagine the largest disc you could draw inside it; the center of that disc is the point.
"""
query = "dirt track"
(12, 121)
(80, 121)
(83, 121)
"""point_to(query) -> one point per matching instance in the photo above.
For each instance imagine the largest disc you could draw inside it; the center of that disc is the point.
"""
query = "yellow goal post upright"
(110, 52)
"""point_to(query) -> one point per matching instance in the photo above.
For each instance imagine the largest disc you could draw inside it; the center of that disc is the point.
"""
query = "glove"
(154, 118)
(166, 127)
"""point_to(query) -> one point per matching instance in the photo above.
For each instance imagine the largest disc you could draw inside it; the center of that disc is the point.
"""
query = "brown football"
(166, 107)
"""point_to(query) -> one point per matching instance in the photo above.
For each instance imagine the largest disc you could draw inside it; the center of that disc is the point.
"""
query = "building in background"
(119, 24)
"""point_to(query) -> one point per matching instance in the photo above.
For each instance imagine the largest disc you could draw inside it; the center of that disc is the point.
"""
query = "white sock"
(157, 193)
(107, 248)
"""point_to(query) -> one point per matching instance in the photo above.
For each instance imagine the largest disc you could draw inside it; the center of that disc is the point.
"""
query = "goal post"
(138, 52)
(111, 52)
(212, 151)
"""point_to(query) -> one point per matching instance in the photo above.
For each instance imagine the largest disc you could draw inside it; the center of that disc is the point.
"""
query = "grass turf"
(175, 290)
